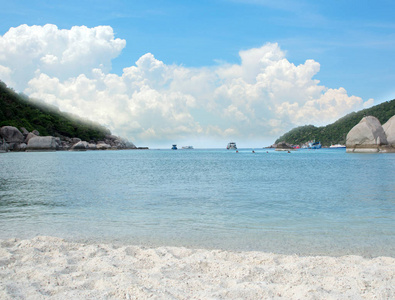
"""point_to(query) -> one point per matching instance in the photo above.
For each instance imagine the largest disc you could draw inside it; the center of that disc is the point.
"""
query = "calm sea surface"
(305, 202)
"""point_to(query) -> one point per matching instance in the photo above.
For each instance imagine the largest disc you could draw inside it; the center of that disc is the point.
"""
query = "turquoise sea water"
(305, 202)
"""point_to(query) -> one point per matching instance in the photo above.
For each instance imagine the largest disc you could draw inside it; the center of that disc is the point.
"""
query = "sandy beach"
(52, 268)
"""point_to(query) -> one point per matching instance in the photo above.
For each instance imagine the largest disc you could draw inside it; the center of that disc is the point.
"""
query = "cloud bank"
(154, 103)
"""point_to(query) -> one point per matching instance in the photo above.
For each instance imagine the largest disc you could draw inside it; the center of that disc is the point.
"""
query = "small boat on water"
(174, 147)
(231, 146)
(187, 147)
(315, 145)
(337, 146)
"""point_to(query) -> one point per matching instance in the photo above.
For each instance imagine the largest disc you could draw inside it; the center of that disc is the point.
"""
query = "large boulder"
(24, 131)
(92, 146)
(75, 141)
(80, 146)
(29, 136)
(41, 143)
(389, 129)
(11, 134)
(103, 146)
(367, 136)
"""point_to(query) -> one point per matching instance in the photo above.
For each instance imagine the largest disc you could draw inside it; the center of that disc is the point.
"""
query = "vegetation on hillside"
(336, 132)
(19, 111)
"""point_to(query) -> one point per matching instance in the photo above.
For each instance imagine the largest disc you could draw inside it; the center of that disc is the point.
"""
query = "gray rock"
(92, 146)
(19, 147)
(75, 141)
(29, 136)
(42, 143)
(80, 146)
(103, 146)
(24, 131)
(389, 129)
(367, 136)
(36, 132)
(282, 146)
(11, 134)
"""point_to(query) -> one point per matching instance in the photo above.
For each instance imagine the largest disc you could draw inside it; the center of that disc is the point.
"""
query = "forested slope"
(19, 111)
(336, 132)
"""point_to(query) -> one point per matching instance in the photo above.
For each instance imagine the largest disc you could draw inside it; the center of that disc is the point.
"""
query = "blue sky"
(352, 42)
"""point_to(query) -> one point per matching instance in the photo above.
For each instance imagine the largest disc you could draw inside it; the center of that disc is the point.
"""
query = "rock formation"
(11, 134)
(368, 136)
(80, 146)
(42, 143)
(16, 140)
(389, 129)
(284, 147)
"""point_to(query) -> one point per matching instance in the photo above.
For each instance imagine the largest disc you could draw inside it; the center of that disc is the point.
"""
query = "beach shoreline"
(52, 268)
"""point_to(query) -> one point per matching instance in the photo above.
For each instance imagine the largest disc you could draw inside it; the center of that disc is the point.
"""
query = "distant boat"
(337, 146)
(315, 145)
(174, 147)
(187, 147)
(231, 146)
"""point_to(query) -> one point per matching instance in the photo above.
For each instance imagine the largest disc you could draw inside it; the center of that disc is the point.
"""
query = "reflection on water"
(307, 202)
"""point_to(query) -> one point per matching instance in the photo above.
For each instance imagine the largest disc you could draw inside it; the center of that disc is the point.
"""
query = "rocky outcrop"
(368, 136)
(80, 146)
(92, 146)
(15, 140)
(42, 143)
(118, 142)
(29, 136)
(284, 147)
(103, 146)
(389, 129)
(11, 134)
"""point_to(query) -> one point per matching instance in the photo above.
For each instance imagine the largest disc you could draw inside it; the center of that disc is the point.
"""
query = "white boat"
(187, 147)
(231, 146)
(337, 146)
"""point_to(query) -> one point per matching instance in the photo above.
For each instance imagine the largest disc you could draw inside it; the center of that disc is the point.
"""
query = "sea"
(307, 202)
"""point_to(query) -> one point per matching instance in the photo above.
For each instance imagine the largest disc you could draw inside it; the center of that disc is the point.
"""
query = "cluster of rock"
(14, 140)
(283, 146)
(368, 136)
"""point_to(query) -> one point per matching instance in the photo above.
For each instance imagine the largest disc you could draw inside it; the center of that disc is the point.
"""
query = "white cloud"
(153, 103)
(57, 53)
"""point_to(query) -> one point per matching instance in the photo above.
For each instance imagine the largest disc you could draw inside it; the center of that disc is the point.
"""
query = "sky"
(201, 73)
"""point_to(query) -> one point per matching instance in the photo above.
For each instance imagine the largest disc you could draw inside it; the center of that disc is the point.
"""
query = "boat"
(337, 146)
(174, 147)
(315, 145)
(231, 146)
(187, 147)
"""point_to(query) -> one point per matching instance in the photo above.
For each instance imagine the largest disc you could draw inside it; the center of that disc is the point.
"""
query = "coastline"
(53, 268)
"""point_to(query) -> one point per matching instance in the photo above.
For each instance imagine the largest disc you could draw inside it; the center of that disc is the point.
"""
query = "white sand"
(51, 268)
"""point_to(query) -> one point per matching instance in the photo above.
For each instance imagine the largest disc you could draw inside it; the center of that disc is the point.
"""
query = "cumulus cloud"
(152, 102)
(27, 50)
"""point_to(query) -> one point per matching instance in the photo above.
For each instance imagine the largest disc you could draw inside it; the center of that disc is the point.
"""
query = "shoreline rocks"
(41, 143)
(284, 147)
(23, 140)
(368, 136)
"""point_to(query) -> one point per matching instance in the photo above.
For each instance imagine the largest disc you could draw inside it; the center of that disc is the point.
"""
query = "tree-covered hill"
(336, 132)
(19, 111)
